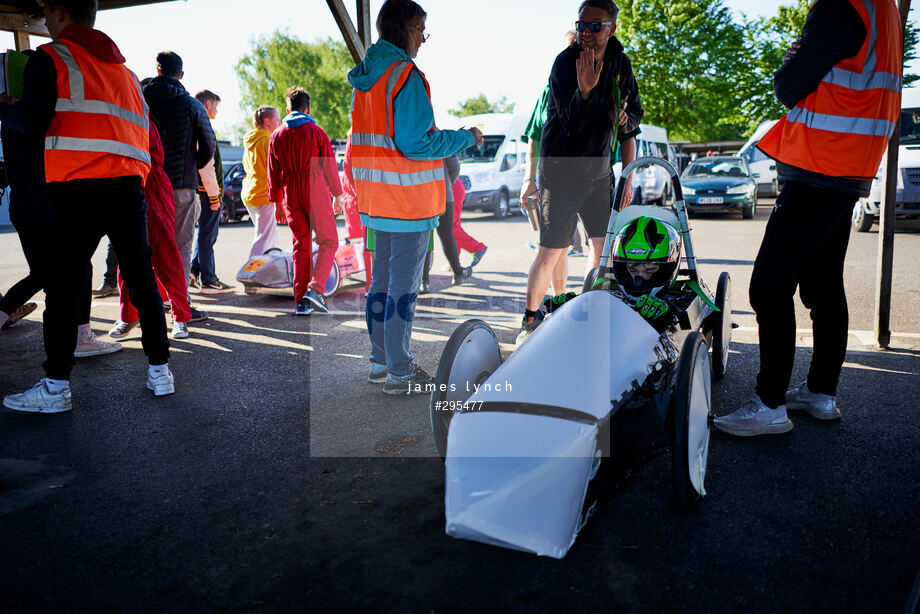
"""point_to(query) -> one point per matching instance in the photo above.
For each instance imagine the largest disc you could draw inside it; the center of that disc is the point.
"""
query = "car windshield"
(910, 126)
(485, 152)
(716, 168)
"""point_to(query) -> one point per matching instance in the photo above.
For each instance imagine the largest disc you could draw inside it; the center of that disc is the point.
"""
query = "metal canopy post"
(357, 43)
(882, 326)
(364, 22)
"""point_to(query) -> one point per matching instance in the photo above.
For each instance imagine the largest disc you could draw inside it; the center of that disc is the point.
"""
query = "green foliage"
(686, 55)
(480, 104)
(280, 60)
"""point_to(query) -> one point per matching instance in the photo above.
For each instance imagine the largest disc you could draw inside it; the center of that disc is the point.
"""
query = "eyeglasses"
(424, 34)
(594, 26)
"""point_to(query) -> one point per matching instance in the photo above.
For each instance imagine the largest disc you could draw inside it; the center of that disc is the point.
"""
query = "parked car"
(907, 196)
(722, 183)
(763, 169)
(232, 208)
(494, 171)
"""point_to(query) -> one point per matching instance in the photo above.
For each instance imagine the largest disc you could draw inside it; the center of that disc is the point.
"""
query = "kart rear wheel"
(471, 355)
(722, 326)
(691, 407)
(333, 281)
(590, 278)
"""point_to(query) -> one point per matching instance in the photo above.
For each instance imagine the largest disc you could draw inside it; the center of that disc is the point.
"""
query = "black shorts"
(564, 200)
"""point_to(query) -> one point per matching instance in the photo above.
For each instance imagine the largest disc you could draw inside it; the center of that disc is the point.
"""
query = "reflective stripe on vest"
(868, 79)
(400, 179)
(374, 140)
(838, 123)
(842, 127)
(69, 135)
(70, 143)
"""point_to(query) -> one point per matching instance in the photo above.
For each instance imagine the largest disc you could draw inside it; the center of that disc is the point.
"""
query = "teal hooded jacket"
(413, 117)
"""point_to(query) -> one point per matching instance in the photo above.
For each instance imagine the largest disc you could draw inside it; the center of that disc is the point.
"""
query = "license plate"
(710, 200)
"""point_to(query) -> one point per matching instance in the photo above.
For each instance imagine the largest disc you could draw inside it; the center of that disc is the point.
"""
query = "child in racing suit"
(645, 260)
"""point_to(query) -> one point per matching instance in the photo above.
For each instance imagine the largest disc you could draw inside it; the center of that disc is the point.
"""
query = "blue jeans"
(390, 309)
(203, 257)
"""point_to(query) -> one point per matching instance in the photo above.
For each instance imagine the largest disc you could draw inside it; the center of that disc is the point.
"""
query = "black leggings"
(33, 235)
(448, 243)
(804, 246)
(82, 211)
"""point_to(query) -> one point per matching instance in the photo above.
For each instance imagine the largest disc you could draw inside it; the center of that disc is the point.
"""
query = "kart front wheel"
(722, 326)
(471, 355)
(691, 407)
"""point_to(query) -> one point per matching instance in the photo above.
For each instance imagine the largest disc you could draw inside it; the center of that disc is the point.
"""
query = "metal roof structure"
(24, 17)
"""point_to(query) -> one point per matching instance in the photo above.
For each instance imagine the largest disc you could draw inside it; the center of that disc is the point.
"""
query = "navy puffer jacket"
(188, 139)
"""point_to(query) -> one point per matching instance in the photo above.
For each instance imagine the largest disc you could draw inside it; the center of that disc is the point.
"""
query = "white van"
(493, 172)
(651, 184)
(907, 197)
(762, 167)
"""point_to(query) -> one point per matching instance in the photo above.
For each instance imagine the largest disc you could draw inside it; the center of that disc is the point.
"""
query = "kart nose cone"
(518, 480)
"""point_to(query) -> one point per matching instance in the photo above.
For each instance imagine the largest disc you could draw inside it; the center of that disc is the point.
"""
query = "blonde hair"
(261, 114)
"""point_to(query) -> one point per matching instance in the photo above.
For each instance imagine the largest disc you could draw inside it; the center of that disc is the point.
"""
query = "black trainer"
(198, 315)
(465, 273)
(317, 301)
(527, 327)
(417, 382)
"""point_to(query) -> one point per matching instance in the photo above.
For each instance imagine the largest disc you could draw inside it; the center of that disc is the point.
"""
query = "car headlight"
(689, 191)
(739, 189)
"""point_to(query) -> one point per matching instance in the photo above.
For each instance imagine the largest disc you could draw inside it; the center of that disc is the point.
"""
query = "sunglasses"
(593, 26)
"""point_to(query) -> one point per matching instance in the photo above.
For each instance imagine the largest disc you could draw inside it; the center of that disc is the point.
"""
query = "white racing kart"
(524, 437)
(273, 271)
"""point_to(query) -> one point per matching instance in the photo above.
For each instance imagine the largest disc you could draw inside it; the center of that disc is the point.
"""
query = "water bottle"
(532, 206)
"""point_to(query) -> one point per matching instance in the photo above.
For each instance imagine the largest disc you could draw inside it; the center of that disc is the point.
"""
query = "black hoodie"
(188, 139)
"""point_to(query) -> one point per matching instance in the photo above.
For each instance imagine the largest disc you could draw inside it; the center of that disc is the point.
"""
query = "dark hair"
(170, 64)
(393, 21)
(82, 12)
(298, 99)
(207, 96)
(604, 5)
(262, 114)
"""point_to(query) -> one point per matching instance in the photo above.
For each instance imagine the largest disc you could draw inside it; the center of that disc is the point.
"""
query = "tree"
(686, 55)
(280, 60)
(480, 104)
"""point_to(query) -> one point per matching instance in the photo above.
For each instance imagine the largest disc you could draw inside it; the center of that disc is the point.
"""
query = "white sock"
(56, 386)
(156, 370)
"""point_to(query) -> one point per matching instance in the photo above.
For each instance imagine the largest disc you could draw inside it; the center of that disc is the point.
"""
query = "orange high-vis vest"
(842, 128)
(388, 184)
(100, 125)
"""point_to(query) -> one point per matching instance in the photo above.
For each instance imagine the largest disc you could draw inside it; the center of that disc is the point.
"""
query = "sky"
(498, 47)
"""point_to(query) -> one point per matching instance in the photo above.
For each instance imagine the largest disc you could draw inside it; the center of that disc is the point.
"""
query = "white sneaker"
(39, 400)
(122, 328)
(161, 383)
(820, 406)
(90, 345)
(179, 331)
(755, 418)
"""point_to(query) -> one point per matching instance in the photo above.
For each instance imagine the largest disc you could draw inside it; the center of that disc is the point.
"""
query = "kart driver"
(646, 258)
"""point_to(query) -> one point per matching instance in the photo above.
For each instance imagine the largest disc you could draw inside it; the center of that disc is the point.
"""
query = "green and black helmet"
(646, 256)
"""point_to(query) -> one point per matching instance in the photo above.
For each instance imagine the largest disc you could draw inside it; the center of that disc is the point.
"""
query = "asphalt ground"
(277, 479)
